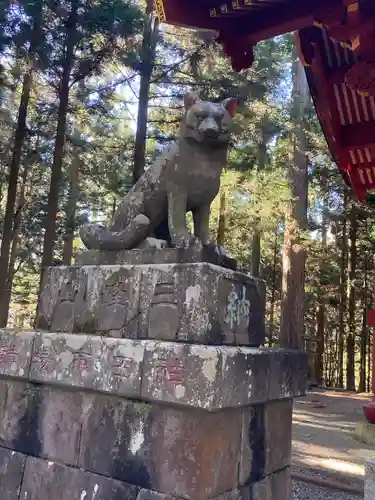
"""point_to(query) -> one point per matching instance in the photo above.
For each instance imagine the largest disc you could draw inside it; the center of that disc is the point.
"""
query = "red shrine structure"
(336, 44)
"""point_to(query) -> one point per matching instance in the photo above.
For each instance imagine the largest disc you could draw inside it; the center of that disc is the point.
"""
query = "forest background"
(91, 92)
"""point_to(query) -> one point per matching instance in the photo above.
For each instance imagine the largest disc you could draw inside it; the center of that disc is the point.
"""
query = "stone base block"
(370, 479)
(195, 376)
(144, 420)
(196, 303)
(365, 433)
(154, 256)
(12, 467)
(191, 455)
(33, 478)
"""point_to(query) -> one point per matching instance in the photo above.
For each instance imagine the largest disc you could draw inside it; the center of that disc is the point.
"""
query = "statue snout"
(209, 128)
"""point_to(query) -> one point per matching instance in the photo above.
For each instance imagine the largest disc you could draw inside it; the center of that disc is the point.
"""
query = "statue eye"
(201, 114)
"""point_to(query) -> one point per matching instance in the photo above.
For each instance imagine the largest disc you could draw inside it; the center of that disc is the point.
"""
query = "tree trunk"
(343, 287)
(256, 241)
(364, 329)
(71, 212)
(273, 289)
(320, 316)
(350, 343)
(114, 206)
(58, 154)
(6, 297)
(369, 358)
(147, 64)
(222, 219)
(363, 360)
(14, 169)
(294, 255)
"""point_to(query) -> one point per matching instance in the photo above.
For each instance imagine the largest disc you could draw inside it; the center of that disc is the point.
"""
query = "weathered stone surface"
(282, 485)
(103, 364)
(62, 298)
(114, 436)
(212, 377)
(192, 455)
(11, 473)
(155, 255)
(153, 495)
(15, 353)
(231, 495)
(40, 421)
(365, 433)
(262, 490)
(59, 424)
(266, 440)
(19, 415)
(278, 425)
(48, 480)
(288, 374)
(199, 302)
(185, 178)
(275, 486)
(370, 479)
(163, 371)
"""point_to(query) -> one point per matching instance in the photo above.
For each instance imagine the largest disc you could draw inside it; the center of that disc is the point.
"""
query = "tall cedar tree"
(32, 34)
(294, 253)
(89, 34)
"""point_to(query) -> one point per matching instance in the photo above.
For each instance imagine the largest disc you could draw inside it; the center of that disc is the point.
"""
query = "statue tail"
(96, 237)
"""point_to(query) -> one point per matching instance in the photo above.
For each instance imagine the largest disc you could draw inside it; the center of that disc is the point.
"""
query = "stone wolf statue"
(186, 178)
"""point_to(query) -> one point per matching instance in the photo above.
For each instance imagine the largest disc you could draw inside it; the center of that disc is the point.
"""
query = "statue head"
(206, 121)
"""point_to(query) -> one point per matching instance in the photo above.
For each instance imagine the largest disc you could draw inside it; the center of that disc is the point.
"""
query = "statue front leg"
(201, 217)
(177, 205)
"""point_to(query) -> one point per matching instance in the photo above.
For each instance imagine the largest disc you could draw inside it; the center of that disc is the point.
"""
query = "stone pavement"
(323, 434)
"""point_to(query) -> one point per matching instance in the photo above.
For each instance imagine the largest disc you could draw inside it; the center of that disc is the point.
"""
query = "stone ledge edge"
(206, 377)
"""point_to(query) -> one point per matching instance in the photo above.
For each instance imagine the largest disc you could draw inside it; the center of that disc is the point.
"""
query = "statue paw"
(186, 241)
(197, 244)
(218, 249)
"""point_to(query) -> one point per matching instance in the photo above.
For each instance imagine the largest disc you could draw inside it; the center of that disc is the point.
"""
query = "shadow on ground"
(323, 433)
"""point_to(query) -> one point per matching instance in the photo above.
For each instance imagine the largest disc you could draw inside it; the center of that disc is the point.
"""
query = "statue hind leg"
(96, 237)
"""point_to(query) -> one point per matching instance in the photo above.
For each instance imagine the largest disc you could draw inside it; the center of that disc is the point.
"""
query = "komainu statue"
(186, 178)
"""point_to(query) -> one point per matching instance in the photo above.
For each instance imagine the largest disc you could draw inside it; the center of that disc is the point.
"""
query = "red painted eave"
(347, 117)
(255, 20)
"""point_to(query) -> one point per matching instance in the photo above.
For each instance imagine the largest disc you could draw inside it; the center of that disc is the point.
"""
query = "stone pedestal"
(197, 302)
(370, 479)
(154, 412)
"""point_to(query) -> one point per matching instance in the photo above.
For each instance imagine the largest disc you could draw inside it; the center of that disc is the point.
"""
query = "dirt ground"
(323, 434)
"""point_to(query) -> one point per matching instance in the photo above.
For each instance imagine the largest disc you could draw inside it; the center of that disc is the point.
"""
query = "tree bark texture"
(14, 168)
(364, 329)
(6, 297)
(58, 154)
(352, 267)
(71, 212)
(147, 66)
(222, 219)
(343, 291)
(294, 252)
(321, 311)
(273, 289)
(256, 241)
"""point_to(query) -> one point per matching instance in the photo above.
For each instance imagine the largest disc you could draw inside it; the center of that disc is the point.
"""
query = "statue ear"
(230, 105)
(190, 98)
